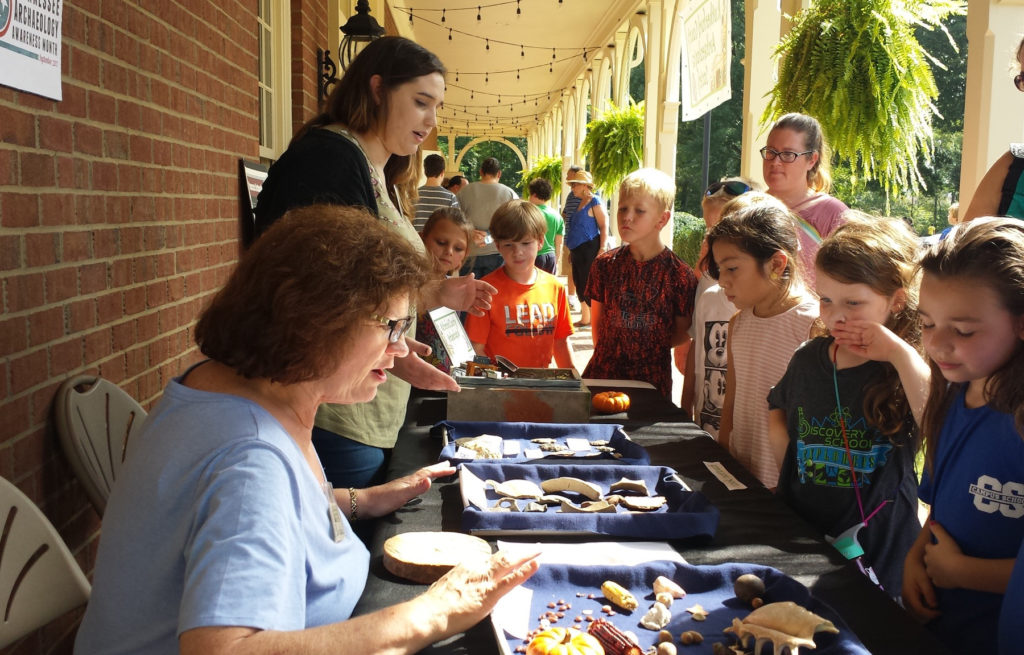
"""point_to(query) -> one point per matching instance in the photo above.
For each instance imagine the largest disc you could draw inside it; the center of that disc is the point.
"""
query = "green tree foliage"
(614, 145)
(687, 236)
(546, 168)
(511, 167)
(857, 66)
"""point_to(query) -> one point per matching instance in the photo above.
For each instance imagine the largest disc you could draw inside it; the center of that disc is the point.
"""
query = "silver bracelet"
(353, 505)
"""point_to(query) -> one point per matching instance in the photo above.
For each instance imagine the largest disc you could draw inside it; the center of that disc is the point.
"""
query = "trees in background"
(924, 207)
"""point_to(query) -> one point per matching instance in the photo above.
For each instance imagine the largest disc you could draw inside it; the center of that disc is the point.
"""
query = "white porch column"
(762, 35)
(992, 106)
(652, 80)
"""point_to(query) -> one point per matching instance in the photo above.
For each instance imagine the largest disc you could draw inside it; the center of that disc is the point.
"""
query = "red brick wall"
(309, 32)
(118, 219)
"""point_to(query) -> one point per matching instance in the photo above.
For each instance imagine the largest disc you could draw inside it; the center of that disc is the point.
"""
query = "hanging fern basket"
(545, 168)
(857, 67)
(614, 144)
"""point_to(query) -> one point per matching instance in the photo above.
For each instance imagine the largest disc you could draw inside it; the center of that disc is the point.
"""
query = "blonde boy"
(641, 293)
(529, 319)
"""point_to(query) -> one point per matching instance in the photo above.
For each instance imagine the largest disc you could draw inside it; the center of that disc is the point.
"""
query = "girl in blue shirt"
(972, 322)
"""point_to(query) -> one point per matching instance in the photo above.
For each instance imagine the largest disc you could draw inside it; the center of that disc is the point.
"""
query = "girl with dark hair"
(753, 255)
(972, 327)
(364, 150)
(796, 162)
(843, 417)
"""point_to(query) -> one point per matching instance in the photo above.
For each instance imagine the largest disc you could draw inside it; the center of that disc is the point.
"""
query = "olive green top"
(375, 423)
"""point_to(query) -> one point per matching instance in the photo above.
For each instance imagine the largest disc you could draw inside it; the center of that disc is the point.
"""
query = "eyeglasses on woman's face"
(786, 156)
(397, 327)
(733, 188)
(1019, 81)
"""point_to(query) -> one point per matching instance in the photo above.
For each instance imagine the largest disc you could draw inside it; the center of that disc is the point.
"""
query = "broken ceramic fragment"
(586, 489)
(516, 489)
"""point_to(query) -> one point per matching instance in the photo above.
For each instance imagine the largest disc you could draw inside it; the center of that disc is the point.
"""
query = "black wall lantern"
(360, 29)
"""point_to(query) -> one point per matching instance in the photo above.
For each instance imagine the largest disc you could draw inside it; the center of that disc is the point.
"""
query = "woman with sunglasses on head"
(223, 534)
(364, 151)
(796, 162)
(1001, 191)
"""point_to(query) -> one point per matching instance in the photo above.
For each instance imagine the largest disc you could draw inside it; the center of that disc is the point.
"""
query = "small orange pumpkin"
(610, 402)
(564, 641)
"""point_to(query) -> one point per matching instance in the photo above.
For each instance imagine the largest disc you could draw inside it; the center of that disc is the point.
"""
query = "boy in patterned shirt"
(641, 293)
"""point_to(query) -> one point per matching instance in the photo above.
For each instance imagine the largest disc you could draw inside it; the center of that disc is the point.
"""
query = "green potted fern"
(546, 168)
(614, 145)
(857, 67)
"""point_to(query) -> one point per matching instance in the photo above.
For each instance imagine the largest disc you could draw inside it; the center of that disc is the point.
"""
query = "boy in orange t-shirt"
(529, 317)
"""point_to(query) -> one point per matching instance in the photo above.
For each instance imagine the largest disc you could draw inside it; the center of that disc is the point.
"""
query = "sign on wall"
(707, 57)
(30, 45)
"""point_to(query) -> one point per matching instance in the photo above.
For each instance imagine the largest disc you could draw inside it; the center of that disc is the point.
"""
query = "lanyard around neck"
(846, 441)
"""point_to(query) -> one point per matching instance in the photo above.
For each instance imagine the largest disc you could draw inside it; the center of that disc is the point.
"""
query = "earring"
(773, 276)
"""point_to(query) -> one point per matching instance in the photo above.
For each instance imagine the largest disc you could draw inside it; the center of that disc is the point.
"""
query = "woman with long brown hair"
(364, 150)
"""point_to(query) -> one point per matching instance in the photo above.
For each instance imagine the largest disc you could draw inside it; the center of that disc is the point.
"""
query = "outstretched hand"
(467, 294)
(468, 593)
(419, 373)
(386, 498)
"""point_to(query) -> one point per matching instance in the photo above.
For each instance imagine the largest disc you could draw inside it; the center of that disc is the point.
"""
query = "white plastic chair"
(39, 578)
(96, 420)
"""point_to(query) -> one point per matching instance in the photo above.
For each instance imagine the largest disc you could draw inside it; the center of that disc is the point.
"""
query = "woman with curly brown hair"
(222, 534)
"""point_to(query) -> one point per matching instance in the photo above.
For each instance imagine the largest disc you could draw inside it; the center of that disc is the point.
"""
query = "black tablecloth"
(754, 526)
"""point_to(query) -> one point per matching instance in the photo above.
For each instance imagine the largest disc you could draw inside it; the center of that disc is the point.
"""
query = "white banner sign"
(30, 45)
(707, 57)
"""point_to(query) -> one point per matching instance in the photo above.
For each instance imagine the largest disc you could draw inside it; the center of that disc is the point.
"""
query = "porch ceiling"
(507, 69)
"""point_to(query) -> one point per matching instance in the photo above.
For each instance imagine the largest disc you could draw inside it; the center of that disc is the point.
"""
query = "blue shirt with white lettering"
(976, 491)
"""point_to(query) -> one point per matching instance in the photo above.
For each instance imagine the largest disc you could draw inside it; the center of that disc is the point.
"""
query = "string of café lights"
(487, 40)
(471, 117)
(487, 117)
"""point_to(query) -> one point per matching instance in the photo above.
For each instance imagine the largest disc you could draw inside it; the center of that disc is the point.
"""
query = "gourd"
(564, 641)
(611, 402)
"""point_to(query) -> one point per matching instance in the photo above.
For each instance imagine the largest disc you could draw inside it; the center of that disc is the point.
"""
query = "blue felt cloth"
(686, 514)
(632, 453)
(709, 586)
